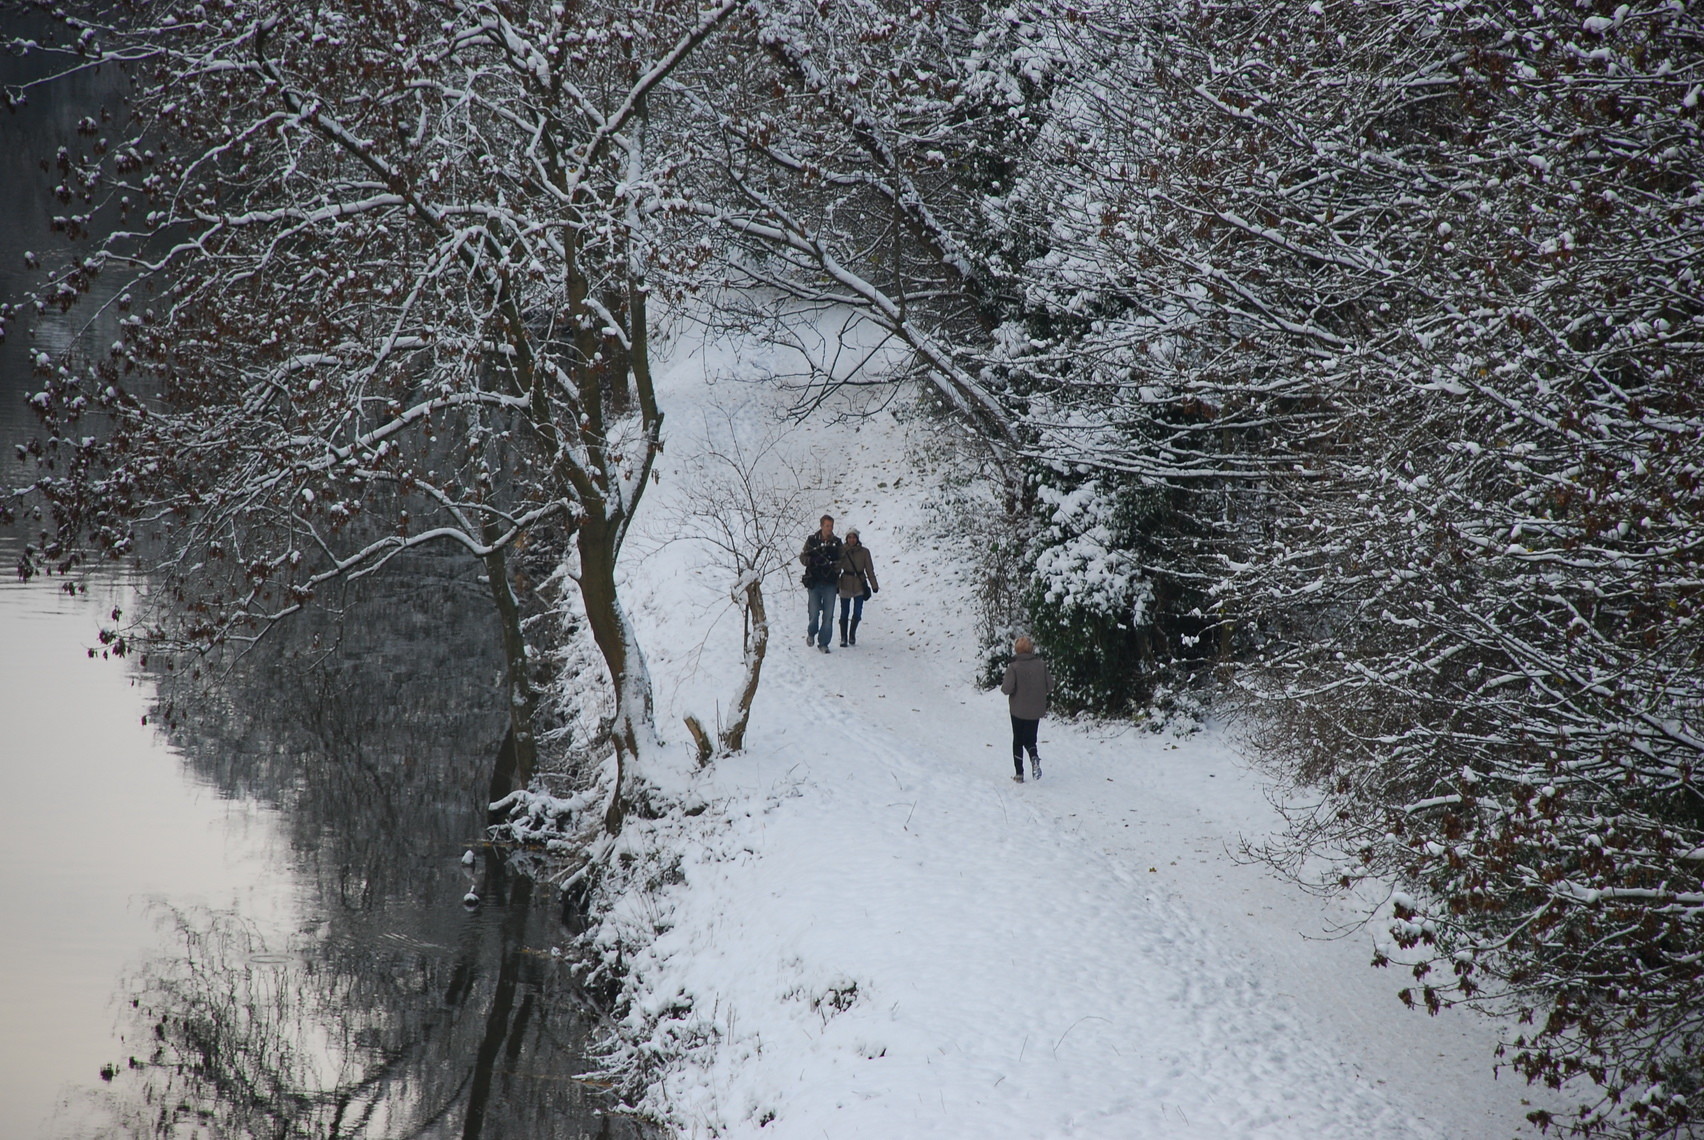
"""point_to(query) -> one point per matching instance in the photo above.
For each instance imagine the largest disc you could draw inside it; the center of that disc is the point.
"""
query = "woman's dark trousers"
(1023, 736)
(855, 607)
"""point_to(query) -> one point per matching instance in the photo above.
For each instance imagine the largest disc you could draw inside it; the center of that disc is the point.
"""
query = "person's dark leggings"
(1023, 736)
(849, 634)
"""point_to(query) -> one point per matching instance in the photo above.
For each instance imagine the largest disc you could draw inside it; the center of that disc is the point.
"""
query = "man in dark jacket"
(1026, 685)
(821, 559)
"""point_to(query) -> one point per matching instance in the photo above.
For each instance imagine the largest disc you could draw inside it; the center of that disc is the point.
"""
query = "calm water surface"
(99, 827)
(233, 907)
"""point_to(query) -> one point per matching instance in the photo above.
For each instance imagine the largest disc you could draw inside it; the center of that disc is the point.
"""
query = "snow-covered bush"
(1091, 601)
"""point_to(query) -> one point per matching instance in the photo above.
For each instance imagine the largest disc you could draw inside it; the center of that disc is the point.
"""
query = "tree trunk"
(502, 777)
(706, 747)
(632, 731)
(733, 738)
(523, 702)
(1227, 640)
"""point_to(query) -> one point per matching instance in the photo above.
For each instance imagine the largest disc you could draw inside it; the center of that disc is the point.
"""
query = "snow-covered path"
(879, 934)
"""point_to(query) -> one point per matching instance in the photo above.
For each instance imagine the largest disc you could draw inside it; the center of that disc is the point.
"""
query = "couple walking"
(836, 569)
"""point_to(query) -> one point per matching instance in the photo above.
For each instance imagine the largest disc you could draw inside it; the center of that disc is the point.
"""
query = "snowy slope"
(875, 933)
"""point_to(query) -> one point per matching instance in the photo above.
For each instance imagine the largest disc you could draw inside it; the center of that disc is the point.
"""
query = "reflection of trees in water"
(327, 1039)
(392, 1012)
(371, 720)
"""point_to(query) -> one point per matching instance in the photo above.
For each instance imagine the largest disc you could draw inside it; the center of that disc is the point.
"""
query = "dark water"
(233, 904)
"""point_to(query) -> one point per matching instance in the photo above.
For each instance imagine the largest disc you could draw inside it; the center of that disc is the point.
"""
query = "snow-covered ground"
(876, 933)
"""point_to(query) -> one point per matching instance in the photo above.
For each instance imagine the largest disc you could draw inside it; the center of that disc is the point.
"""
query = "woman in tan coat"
(857, 582)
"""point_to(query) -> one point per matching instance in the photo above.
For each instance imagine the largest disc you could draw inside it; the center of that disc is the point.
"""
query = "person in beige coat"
(857, 585)
(1027, 685)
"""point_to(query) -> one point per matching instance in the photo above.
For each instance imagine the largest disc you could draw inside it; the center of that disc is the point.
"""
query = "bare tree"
(743, 503)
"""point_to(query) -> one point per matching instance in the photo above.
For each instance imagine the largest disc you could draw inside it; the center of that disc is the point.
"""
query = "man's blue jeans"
(822, 613)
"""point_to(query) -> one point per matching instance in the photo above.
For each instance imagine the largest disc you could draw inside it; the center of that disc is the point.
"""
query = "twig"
(1072, 1026)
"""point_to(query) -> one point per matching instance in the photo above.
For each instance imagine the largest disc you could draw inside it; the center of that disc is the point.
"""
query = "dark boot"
(843, 633)
(852, 633)
(1018, 763)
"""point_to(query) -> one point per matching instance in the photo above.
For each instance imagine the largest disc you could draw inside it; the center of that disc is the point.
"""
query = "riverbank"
(865, 928)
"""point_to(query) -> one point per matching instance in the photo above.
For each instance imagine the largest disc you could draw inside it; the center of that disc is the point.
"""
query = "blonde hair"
(1023, 645)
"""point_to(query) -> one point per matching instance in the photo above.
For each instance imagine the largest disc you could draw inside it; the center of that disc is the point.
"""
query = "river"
(235, 905)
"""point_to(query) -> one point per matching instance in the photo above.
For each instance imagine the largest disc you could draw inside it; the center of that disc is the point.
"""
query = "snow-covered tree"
(388, 278)
(1153, 390)
(872, 170)
(1478, 594)
(841, 158)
